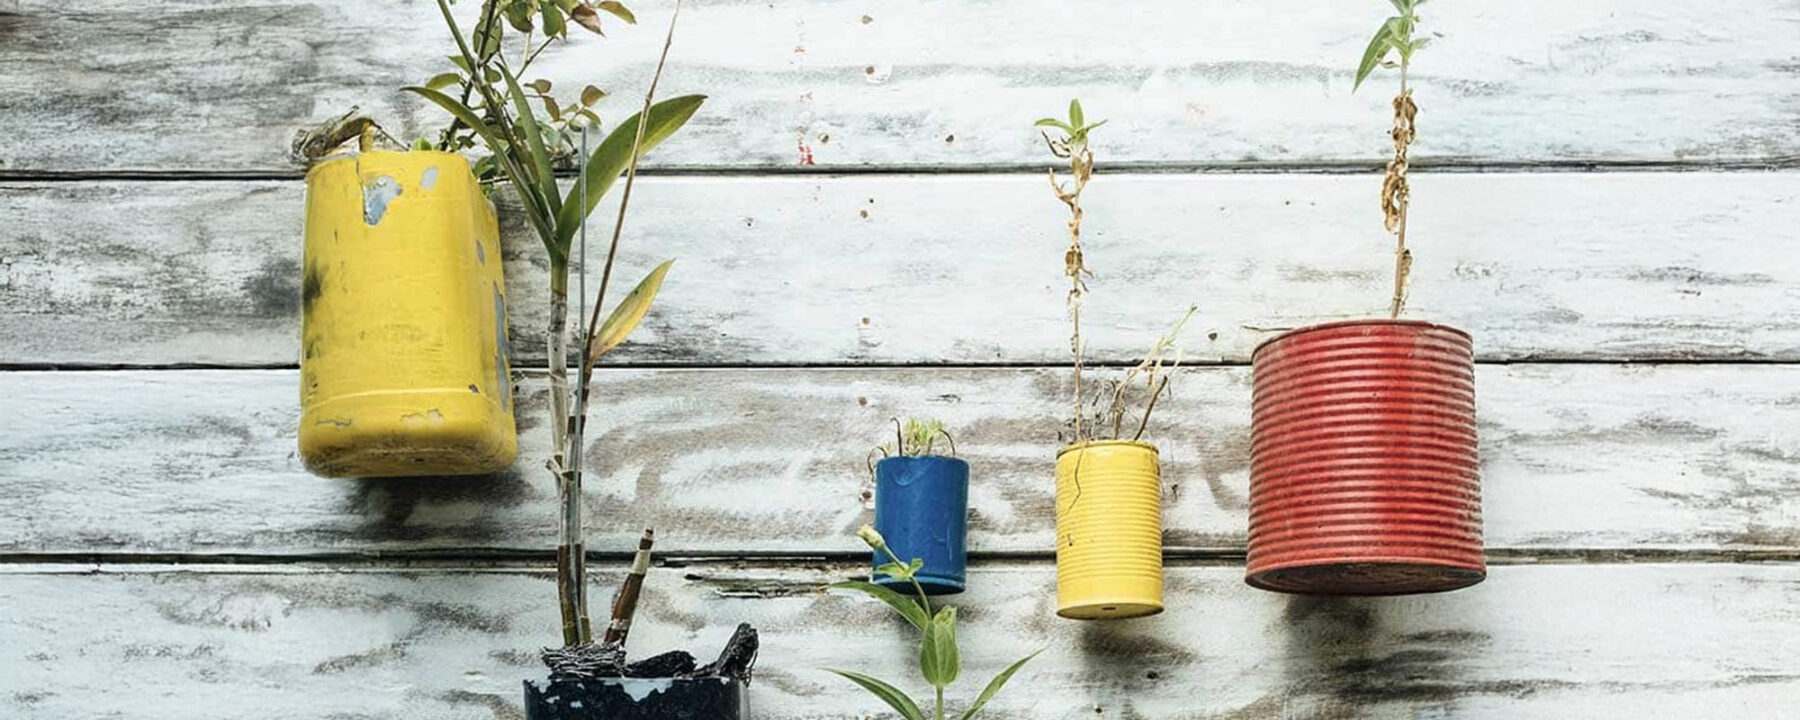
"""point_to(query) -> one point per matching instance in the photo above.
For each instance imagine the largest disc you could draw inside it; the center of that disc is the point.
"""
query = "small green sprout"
(939, 660)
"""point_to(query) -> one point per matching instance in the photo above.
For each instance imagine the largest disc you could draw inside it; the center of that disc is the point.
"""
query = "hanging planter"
(1363, 472)
(403, 368)
(1108, 530)
(1108, 482)
(922, 507)
(1364, 478)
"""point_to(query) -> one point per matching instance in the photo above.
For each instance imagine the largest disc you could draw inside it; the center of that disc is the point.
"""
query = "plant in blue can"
(939, 660)
(922, 507)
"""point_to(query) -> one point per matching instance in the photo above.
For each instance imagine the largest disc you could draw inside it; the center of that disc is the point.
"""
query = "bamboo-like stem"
(626, 602)
(571, 443)
(569, 550)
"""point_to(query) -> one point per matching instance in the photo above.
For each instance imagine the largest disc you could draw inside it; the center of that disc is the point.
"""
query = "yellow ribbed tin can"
(403, 368)
(1108, 530)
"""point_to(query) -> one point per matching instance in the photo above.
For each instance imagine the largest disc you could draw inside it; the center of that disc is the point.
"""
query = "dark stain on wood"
(275, 290)
(501, 708)
(388, 506)
(371, 658)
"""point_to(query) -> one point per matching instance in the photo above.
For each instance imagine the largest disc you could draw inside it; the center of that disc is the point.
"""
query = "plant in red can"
(1363, 472)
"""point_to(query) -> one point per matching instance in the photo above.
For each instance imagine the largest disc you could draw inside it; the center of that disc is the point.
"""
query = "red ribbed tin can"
(1363, 468)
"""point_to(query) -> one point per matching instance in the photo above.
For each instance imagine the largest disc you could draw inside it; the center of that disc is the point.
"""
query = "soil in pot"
(1364, 477)
(708, 698)
(922, 508)
(592, 682)
(1108, 530)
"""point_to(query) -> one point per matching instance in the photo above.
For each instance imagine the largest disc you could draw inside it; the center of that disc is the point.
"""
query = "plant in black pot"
(922, 507)
(493, 111)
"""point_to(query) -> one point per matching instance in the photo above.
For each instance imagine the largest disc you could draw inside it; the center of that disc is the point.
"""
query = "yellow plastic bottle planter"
(1108, 530)
(403, 368)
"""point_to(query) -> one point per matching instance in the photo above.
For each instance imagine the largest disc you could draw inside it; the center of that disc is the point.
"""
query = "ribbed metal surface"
(1108, 531)
(1363, 471)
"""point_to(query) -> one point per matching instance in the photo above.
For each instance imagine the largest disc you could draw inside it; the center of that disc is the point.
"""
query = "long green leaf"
(888, 693)
(543, 178)
(629, 313)
(907, 607)
(610, 159)
(993, 687)
(1076, 118)
(1378, 48)
(938, 659)
(534, 210)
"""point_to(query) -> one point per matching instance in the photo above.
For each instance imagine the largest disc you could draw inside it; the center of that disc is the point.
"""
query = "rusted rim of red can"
(1364, 321)
(1370, 576)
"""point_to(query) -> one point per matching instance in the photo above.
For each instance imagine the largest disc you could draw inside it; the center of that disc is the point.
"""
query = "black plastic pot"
(710, 698)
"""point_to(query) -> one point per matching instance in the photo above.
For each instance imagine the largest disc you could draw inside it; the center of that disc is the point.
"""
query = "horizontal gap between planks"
(1269, 167)
(1651, 361)
(500, 559)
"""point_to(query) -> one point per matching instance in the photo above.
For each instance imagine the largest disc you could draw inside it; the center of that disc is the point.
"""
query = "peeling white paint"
(376, 196)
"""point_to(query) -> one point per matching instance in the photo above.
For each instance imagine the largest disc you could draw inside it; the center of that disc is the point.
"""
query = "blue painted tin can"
(922, 508)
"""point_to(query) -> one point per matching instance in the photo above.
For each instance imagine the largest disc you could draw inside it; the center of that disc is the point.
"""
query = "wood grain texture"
(967, 269)
(1549, 642)
(1638, 458)
(104, 86)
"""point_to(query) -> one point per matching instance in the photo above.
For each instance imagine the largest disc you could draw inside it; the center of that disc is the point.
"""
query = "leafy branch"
(940, 662)
(523, 156)
(1395, 37)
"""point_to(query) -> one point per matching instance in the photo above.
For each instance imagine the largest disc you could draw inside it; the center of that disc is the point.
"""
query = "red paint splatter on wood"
(806, 153)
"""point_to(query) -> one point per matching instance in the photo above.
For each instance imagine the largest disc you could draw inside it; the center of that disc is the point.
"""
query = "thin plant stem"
(576, 422)
(1402, 261)
(940, 703)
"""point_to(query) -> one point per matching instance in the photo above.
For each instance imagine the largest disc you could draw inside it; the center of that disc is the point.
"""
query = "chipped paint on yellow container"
(403, 368)
(1108, 530)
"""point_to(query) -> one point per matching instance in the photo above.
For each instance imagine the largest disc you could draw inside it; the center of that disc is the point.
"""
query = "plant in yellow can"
(1108, 480)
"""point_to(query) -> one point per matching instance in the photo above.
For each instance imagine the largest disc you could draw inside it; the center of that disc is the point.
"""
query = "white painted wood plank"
(1552, 642)
(1641, 458)
(968, 269)
(196, 86)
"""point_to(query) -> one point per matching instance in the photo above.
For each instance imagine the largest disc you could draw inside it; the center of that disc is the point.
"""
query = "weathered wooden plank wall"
(1607, 200)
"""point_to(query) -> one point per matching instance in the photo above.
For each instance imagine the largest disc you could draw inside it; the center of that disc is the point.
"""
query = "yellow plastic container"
(1108, 530)
(403, 368)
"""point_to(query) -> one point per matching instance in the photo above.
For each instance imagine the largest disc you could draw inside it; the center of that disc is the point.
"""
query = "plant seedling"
(940, 662)
(1071, 144)
(1395, 38)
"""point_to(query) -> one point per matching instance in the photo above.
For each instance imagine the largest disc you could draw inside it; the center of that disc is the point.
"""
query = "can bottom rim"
(931, 584)
(1109, 609)
(1367, 578)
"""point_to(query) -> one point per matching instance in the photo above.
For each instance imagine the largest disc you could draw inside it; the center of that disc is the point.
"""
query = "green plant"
(918, 438)
(1396, 37)
(496, 112)
(940, 662)
(1071, 144)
